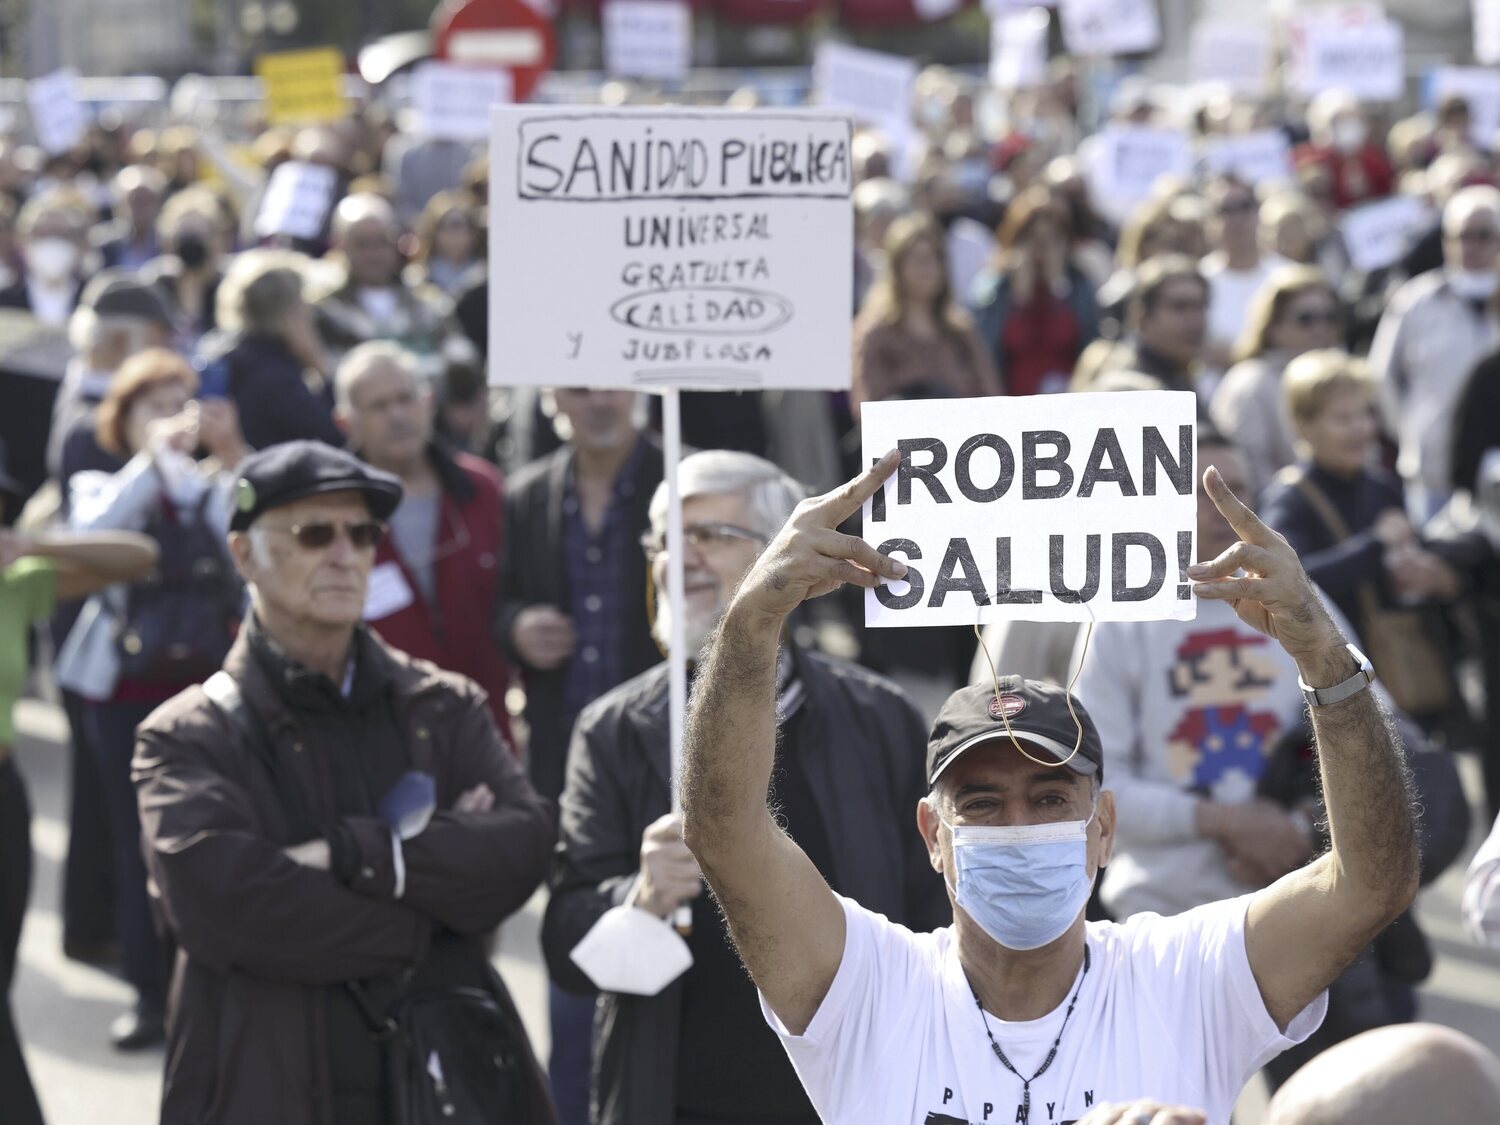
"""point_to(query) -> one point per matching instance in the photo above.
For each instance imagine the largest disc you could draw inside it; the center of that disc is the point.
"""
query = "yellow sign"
(303, 86)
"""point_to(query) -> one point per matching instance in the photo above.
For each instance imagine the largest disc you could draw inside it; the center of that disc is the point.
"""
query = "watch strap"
(1363, 677)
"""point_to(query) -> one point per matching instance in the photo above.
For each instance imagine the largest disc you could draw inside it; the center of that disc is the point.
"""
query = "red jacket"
(456, 634)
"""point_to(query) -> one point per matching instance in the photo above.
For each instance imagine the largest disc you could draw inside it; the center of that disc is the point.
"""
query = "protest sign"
(1264, 156)
(1487, 31)
(1379, 233)
(1042, 508)
(296, 201)
(58, 118)
(1127, 161)
(1366, 58)
(1109, 27)
(1018, 48)
(1233, 54)
(1478, 86)
(875, 88)
(670, 248)
(303, 86)
(453, 102)
(648, 39)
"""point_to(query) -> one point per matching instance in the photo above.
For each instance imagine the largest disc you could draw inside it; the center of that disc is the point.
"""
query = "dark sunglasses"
(318, 534)
(1309, 318)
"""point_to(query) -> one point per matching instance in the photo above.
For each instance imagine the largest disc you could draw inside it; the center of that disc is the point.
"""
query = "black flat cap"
(295, 470)
(1039, 718)
(117, 293)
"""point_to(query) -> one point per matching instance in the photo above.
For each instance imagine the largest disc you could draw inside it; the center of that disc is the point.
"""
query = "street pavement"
(63, 1009)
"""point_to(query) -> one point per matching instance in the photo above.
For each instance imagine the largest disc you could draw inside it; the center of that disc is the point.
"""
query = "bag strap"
(1369, 600)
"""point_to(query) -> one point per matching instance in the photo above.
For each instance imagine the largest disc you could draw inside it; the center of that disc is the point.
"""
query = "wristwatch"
(1326, 697)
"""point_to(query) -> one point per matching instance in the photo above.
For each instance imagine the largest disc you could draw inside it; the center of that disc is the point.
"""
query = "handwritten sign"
(875, 88)
(1264, 156)
(1366, 58)
(453, 102)
(303, 86)
(1109, 27)
(296, 201)
(1478, 86)
(1018, 49)
(673, 247)
(1041, 508)
(648, 39)
(1129, 159)
(1233, 54)
(58, 118)
(1379, 233)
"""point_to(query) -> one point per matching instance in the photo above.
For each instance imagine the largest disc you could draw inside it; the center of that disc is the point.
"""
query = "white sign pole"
(671, 424)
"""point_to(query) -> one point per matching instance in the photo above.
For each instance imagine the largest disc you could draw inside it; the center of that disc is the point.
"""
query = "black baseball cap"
(117, 293)
(1039, 718)
(295, 470)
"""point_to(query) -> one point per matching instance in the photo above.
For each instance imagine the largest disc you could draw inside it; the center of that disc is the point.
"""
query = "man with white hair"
(1435, 328)
(374, 302)
(848, 769)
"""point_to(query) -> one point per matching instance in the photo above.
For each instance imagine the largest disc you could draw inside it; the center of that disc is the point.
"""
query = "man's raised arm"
(786, 923)
(1304, 929)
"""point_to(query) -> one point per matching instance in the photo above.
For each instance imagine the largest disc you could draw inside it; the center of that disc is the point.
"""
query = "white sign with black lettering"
(453, 102)
(705, 249)
(875, 88)
(1042, 508)
(1234, 54)
(1376, 234)
(297, 200)
(648, 39)
(58, 118)
(1109, 27)
(1366, 58)
(1129, 159)
(1261, 157)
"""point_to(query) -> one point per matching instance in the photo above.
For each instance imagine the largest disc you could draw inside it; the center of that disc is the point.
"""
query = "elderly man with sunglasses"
(325, 810)
(848, 772)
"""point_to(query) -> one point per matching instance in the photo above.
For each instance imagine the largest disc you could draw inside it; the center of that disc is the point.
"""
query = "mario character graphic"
(1219, 746)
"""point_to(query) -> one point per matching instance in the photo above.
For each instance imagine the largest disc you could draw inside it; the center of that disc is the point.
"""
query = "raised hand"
(1274, 594)
(809, 557)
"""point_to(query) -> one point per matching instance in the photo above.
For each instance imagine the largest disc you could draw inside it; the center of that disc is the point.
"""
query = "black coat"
(1476, 421)
(268, 387)
(863, 747)
(533, 571)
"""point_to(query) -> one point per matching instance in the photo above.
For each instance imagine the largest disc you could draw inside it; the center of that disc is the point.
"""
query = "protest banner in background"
(670, 248)
(296, 201)
(303, 86)
(1366, 58)
(1264, 156)
(1234, 54)
(875, 88)
(1126, 161)
(1018, 48)
(453, 102)
(648, 39)
(58, 118)
(1376, 234)
(1480, 87)
(1041, 508)
(1109, 27)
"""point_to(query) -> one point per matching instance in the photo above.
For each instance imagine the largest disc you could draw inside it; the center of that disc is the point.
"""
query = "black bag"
(456, 1050)
(179, 622)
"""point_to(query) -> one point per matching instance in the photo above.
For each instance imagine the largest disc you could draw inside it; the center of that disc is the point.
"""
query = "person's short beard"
(695, 633)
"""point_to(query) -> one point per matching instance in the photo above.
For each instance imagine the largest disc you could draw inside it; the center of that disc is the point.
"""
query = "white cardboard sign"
(1376, 234)
(875, 88)
(57, 116)
(1264, 156)
(1366, 58)
(1018, 49)
(1480, 87)
(1234, 54)
(700, 248)
(1129, 159)
(648, 39)
(1042, 508)
(297, 200)
(1109, 27)
(453, 102)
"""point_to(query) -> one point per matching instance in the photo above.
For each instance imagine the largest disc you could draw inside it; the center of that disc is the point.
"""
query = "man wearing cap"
(1022, 1011)
(269, 809)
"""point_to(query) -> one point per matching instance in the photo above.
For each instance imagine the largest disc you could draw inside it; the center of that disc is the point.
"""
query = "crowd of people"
(357, 652)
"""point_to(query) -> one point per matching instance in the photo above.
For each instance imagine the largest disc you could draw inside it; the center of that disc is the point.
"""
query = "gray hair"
(259, 288)
(769, 494)
(1467, 202)
(366, 357)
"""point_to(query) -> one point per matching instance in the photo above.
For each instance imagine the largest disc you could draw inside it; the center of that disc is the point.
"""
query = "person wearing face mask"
(1022, 1011)
(1434, 329)
(1341, 150)
(193, 231)
(848, 771)
(52, 229)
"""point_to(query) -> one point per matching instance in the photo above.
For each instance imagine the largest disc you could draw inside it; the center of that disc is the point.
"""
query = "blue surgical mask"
(1024, 885)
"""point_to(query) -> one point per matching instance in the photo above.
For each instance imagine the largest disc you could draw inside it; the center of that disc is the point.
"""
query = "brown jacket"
(258, 933)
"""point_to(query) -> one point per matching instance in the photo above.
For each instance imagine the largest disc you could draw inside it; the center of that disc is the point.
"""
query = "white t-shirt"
(1169, 1010)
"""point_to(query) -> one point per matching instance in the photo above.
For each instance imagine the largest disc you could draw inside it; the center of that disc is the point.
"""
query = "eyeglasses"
(701, 536)
(1308, 318)
(365, 535)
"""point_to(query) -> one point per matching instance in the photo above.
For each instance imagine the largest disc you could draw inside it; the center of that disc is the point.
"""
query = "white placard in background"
(58, 118)
(1109, 27)
(1233, 54)
(1487, 31)
(648, 39)
(1127, 160)
(1040, 508)
(1480, 87)
(1018, 48)
(875, 88)
(1365, 58)
(297, 200)
(453, 102)
(1264, 156)
(674, 247)
(1376, 234)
